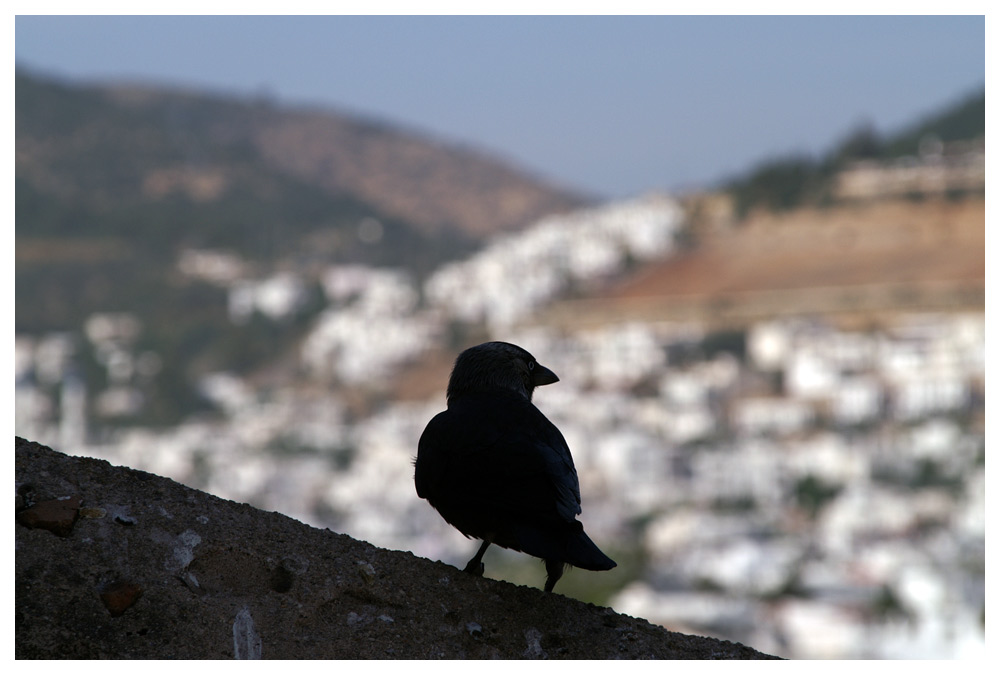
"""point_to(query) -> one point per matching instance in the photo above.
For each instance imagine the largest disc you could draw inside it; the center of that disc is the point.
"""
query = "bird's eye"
(531, 365)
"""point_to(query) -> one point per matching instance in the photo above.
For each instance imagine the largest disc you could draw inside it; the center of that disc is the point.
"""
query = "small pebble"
(367, 571)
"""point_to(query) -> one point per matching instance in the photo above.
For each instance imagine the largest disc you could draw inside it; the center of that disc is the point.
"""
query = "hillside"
(183, 215)
(860, 260)
(103, 145)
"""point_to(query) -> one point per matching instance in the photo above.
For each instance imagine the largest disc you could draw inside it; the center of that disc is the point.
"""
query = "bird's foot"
(554, 569)
(476, 566)
(474, 569)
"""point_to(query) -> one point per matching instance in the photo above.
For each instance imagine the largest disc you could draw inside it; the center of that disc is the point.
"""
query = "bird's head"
(497, 366)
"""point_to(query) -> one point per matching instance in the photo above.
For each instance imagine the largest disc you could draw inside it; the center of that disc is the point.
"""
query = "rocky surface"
(117, 563)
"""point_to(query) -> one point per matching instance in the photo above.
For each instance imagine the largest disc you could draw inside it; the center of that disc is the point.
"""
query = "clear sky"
(611, 106)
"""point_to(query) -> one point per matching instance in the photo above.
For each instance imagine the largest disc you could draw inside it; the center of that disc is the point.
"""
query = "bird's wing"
(431, 469)
(520, 459)
(559, 468)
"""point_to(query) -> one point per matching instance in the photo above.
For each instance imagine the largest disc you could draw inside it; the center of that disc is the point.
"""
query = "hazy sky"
(612, 106)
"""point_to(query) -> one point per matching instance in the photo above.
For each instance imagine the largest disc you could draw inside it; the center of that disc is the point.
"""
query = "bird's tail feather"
(582, 552)
(573, 547)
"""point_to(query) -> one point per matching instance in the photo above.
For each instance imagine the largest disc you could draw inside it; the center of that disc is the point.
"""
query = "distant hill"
(164, 168)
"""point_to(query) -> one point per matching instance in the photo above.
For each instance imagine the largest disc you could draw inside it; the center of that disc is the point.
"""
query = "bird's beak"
(542, 375)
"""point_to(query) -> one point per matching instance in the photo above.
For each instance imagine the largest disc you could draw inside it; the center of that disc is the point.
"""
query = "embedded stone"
(55, 515)
(118, 596)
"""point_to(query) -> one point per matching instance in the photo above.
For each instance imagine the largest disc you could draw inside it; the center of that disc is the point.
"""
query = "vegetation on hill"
(787, 182)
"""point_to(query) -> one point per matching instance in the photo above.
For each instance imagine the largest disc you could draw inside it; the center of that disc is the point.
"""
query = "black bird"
(498, 470)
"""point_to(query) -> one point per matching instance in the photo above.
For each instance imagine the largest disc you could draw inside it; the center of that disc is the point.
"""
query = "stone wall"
(117, 563)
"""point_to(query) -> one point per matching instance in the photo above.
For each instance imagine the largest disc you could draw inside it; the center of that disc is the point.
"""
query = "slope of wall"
(117, 563)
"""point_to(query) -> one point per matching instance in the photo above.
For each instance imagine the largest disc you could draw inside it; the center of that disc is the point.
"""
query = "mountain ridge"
(428, 182)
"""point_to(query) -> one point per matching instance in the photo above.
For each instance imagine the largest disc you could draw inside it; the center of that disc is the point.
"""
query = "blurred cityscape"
(809, 489)
(773, 392)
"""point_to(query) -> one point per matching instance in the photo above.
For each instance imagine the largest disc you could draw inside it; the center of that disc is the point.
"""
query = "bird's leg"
(476, 565)
(554, 570)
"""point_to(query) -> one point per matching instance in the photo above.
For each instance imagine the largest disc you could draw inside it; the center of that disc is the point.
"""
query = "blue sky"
(611, 106)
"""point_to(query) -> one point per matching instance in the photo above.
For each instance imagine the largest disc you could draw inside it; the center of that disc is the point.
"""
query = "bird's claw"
(474, 569)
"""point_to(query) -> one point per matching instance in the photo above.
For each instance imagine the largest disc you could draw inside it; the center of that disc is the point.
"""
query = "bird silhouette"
(498, 470)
